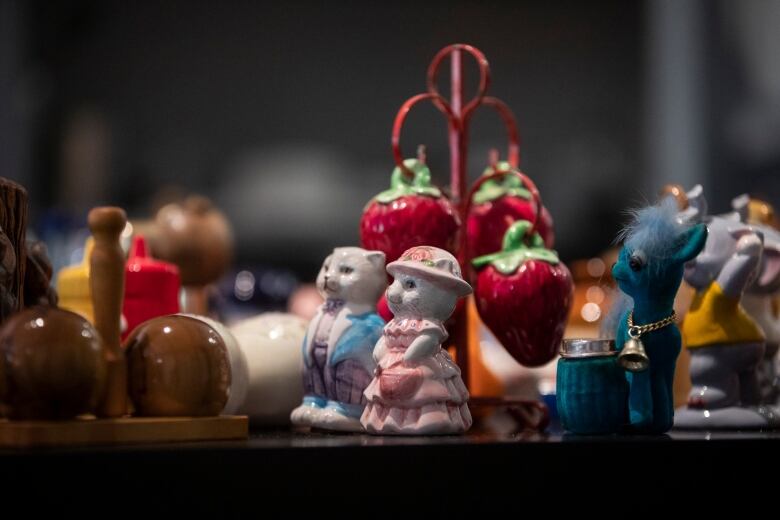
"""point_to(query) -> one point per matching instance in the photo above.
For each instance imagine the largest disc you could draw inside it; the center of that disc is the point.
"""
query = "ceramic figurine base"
(730, 418)
(126, 430)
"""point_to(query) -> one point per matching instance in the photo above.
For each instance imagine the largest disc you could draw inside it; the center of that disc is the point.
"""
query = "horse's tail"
(621, 302)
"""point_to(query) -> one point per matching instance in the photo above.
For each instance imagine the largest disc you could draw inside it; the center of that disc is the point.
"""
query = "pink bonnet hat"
(433, 264)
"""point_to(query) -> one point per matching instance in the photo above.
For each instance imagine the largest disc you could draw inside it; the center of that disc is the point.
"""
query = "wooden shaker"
(107, 283)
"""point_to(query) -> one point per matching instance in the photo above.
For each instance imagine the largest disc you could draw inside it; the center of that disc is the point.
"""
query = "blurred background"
(282, 113)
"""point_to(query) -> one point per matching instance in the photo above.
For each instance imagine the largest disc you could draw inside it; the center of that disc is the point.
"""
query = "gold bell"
(633, 356)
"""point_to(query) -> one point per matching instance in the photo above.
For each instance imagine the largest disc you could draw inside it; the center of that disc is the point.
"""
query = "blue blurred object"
(592, 395)
(64, 235)
(550, 401)
(253, 290)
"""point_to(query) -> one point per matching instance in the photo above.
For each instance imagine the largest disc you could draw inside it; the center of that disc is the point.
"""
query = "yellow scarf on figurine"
(717, 318)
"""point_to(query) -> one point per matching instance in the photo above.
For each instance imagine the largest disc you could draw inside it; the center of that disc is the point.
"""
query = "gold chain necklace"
(635, 331)
(633, 356)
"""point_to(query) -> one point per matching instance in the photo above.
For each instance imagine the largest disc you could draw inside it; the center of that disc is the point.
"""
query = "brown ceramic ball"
(52, 365)
(196, 237)
(177, 366)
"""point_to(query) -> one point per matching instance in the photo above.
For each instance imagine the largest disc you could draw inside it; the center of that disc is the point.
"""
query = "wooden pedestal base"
(126, 430)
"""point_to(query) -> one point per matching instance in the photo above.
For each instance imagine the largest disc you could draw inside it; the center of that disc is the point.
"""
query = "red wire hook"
(400, 117)
(510, 123)
(484, 74)
(457, 121)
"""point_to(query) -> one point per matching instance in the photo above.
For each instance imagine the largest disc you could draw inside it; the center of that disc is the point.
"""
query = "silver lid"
(587, 347)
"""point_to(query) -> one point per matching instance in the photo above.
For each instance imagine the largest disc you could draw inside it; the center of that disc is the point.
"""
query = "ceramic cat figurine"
(725, 343)
(340, 339)
(417, 388)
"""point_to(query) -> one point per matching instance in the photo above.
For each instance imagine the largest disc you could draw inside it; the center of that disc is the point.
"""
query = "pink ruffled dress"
(420, 397)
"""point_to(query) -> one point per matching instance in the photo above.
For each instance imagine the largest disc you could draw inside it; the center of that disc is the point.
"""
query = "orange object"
(482, 382)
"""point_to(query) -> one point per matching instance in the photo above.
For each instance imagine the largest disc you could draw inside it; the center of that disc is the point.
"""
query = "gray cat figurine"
(337, 349)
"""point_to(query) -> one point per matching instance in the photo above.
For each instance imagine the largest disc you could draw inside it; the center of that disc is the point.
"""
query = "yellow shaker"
(73, 286)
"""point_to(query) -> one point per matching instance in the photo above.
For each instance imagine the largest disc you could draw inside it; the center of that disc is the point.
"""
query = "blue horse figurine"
(649, 270)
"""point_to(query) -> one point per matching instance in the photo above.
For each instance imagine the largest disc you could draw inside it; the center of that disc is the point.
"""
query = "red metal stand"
(458, 115)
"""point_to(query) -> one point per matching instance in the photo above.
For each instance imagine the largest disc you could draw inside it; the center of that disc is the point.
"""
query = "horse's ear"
(695, 238)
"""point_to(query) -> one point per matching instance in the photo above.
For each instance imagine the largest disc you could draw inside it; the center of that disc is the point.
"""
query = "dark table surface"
(482, 468)
(264, 440)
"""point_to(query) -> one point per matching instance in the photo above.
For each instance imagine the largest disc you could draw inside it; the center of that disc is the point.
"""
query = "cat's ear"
(377, 258)
(694, 240)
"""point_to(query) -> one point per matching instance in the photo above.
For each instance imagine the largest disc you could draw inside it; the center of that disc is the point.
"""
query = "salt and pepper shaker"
(73, 285)
(417, 388)
(151, 287)
(271, 344)
(107, 283)
(726, 344)
(649, 270)
(627, 387)
(592, 390)
(52, 365)
(196, 237)
(762, 296)
(337, 361)
(178, 366)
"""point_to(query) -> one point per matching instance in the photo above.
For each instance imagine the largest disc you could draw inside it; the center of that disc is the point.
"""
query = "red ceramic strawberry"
(523, 295)
(495, 206)
(411, 213)
(383, 309)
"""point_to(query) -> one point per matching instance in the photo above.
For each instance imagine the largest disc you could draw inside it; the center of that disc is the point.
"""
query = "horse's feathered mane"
(656, 229)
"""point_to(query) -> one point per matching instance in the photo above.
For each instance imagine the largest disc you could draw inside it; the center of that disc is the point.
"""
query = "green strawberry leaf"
(401, 185)
(497, 188)
(515, 250)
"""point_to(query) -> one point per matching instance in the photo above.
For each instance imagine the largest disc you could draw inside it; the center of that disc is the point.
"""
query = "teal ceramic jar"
(592, 392)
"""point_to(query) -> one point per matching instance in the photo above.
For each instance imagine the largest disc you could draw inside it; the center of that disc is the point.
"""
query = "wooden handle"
(107, 282)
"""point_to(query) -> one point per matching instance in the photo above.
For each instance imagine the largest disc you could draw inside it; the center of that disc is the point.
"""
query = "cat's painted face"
(354, 275)
(415, 297)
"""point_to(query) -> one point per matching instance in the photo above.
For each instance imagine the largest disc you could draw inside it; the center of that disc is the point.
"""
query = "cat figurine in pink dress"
(417, 388)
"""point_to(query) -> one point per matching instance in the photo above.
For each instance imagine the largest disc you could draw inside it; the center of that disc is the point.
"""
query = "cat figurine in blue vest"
(339, 342)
